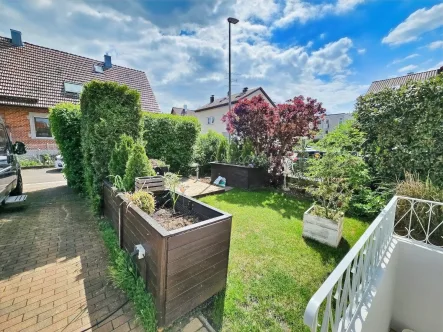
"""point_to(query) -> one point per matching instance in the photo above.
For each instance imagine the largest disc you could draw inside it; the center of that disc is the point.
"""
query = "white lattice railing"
(335, 303)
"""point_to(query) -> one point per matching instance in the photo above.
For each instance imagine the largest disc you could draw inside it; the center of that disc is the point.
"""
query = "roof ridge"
(421, 72)
(76, 55)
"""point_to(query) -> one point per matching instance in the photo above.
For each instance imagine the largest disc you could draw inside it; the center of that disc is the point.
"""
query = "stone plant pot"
(321, 229)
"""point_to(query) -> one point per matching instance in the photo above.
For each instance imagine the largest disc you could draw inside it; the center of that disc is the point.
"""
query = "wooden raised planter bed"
(238, 176)
(321, 229)
(183, 267)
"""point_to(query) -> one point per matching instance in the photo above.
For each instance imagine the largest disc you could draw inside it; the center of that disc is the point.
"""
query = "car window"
(4, 141)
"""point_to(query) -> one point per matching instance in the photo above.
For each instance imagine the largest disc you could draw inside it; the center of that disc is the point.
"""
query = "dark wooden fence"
(239, 176)
(182, 268)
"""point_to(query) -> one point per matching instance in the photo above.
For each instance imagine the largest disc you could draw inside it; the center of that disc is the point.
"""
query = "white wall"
(331, 121)
(217, 113)
(374, 314)
(418, 300)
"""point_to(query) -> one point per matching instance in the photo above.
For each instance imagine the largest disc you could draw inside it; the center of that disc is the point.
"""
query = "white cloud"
(187, 69)
(435, 45)
(322, 36)
(407, 69)
(361, 51)
(303, 11)
(411, 56)
(419, 22)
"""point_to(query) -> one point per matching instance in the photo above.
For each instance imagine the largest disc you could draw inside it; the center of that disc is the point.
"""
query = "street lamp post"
(231, 20)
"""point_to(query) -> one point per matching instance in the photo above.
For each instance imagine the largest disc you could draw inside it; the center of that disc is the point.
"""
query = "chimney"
(440, 70)
(108, 63)
(411, 73)
(16, 37)
(211, 100)
(245, 89)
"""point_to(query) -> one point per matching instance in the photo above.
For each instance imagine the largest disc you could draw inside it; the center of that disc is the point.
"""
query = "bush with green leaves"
(138, 165)
(142, 199)
(120, 155)
(205, 150)
(222, 151)
(171, 138)
(345, 137)
(403, 130)
(108, 111)
(337, 175)
(65, 121)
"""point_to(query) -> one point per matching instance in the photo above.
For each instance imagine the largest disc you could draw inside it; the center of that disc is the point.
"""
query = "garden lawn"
(273, 270)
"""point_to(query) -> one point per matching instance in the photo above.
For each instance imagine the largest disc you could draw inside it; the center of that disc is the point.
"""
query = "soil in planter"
(170, 220)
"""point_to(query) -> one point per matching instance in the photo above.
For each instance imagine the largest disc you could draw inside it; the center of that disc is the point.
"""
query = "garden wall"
(182, 268)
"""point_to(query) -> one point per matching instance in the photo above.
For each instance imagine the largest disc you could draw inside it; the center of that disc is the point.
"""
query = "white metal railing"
(419, 220)
(334, 305)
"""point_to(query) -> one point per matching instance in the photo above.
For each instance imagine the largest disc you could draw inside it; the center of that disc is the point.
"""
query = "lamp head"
(232, 20)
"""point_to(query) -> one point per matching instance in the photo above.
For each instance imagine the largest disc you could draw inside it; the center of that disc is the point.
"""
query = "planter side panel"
(136, 230)
(197, 267)
(257, 178)
(236, 177)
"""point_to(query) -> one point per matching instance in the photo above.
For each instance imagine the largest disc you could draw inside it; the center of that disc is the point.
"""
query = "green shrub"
(108, 111)
(403, 130)
(138, 165)
(120, 156)
(30, 162)
(345, 137)
(367, 203)
(65, 121)
(143, 200)
(171, 138)
(205, 149)
(222, 151)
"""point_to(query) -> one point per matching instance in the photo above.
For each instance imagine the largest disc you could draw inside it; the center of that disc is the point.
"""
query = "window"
(211, 120)
(40, 128)
(340, 121)
(98, 69)
(3, 141)
(73, 87)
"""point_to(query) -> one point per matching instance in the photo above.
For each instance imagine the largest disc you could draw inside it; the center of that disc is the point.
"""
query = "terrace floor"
(53, 264)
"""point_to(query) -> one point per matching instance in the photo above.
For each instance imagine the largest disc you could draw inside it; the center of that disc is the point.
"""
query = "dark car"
(11, 183)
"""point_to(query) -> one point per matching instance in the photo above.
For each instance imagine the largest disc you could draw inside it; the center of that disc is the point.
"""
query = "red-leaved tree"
(273, 131)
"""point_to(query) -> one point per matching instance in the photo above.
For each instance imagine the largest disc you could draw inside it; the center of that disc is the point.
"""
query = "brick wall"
(18, 124)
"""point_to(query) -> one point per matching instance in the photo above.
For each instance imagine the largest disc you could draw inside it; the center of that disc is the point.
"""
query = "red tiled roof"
(34, 76)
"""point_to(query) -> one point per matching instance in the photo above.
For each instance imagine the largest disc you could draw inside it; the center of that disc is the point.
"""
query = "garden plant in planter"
(337, 175)
(186, 242)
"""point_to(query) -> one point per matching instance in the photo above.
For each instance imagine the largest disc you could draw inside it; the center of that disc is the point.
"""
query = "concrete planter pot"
(183, 267)
(321, 229)
(238, 176)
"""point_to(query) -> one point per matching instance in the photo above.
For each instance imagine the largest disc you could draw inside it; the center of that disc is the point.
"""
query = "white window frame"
(31, 117)
(211, 120)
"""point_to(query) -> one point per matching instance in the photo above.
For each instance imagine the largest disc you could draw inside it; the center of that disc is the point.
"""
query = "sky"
(328, 50)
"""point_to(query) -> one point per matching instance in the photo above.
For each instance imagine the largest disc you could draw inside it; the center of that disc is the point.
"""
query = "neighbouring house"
(210, 115)
(330, 122)
(34, 78)
(182, 111)
(396, 82)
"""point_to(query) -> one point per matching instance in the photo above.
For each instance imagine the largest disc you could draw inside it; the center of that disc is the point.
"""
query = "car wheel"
(19, 188)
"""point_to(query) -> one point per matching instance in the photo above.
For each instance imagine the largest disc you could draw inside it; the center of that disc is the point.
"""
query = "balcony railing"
(333, 306)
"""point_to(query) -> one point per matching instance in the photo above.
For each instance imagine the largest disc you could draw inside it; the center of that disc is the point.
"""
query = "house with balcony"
(391, 280)
(34, 78)
(210, 115)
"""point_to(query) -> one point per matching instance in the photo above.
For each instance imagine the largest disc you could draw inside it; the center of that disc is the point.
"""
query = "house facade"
(330, 122)
(210, 115)
(35, 78)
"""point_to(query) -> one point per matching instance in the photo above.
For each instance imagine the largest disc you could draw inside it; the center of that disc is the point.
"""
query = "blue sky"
(329, 50)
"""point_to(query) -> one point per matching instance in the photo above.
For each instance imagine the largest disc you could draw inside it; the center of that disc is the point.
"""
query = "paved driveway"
(53, 267)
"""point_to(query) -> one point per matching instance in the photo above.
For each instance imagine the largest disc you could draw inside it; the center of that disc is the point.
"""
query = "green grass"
(124, 275)
(273, 270)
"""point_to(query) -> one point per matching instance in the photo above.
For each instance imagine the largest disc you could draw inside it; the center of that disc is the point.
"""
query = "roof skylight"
(73, 87)
(98, 69)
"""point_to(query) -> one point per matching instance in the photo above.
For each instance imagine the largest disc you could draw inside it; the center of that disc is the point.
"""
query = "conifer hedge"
(65, 122)
(171, 138)
(108, 111)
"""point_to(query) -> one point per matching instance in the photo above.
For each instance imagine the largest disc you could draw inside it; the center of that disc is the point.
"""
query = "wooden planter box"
(150, 183)
(239, 176)
(323, 230)
(183, 267)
